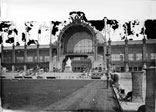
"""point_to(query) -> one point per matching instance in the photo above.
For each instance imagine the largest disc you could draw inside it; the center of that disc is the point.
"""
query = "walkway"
(93, 97)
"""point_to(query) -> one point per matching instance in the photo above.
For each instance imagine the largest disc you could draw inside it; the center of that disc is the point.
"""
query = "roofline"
(130, 42)
(133, 42)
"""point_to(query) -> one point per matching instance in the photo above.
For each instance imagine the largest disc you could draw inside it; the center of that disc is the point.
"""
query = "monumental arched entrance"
(77, 42)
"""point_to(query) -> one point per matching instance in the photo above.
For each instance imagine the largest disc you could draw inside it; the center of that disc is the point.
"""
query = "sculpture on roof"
(77, 16)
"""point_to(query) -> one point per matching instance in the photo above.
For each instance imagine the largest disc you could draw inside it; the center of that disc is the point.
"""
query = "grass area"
(36, 94)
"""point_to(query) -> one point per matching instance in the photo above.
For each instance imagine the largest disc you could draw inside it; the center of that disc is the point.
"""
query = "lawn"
(29, 94)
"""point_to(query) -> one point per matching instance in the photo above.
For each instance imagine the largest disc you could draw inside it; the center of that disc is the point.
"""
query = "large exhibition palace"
(79, 43)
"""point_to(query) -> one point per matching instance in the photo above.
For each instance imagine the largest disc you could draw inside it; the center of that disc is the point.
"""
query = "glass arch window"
(80, 42)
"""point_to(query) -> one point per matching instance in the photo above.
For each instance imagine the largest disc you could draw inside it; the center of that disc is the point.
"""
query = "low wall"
(125, 75)
(63, 75)
(10, 74)
(49, 75)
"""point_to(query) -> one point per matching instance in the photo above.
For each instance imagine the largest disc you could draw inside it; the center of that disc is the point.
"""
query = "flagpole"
(50, 49)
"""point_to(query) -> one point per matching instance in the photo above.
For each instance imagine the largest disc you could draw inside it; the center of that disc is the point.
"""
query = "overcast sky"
(94, 9)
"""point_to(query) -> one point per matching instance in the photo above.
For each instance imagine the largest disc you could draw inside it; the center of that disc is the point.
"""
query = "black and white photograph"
(77, 56)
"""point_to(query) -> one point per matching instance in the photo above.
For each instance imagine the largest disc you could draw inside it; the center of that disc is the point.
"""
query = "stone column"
(50, 59)
(0, 65)
(150, 102)
(109, 51)
(13, 58)
(25, 69)
(104, 56)
(58, 64)
(12, 68)
(1, 59)
(25, 58)
(144, 53)
(58, 51)
(126, 67)
(126, 56)
(95, 50)
(2, 51)
(137, 86)
(38, 55)
(50, 49)
(144, 49)
(104, 45)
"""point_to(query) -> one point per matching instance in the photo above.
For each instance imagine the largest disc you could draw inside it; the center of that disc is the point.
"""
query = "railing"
(120, 108)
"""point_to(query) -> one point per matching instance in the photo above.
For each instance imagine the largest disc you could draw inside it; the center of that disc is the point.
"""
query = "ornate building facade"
(133, 56)
(80, 42)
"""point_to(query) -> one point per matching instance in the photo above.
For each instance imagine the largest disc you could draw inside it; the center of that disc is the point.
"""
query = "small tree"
(25, 36)
(4, 28)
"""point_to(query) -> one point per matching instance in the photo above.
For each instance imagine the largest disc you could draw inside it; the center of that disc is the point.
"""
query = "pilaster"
(126, 66)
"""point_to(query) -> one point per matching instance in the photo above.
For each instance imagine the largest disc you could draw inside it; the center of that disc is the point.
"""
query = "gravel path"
(92, 97)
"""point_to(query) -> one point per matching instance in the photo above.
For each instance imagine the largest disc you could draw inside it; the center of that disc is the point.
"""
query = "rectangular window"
(30, 59)
(122, 69)
(20, 59)
(7, 59)
(138, 56)
(76, 58)
(35, 58)
(115, 57)
(41, 58)
(153, 55)
(122, 57)
(135, 68)
(46, 58)
(130, 57)
(130, 69)
(140, 68)
(118, 69)
(147, 56)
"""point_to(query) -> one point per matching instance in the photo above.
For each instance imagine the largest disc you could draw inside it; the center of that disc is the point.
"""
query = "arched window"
(80, 42)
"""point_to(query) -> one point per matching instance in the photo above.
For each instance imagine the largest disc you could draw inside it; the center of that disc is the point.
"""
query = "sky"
(58, 10)
(94, 9)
